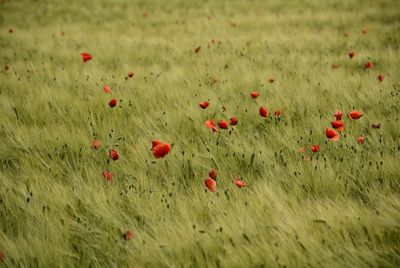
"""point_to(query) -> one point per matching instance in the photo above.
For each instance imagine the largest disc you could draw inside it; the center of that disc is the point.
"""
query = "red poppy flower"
(338, 115)
(211, 185)
(161, 150)
(86, 56)
(271, 80)
(361, 140)
(107, 175)
(114, 154)
(355, 115)
(204, 104)
(128, 235)
(338, 124)
(332, 134)
(213, 174)
(315, 148)
(233, 121)
(240, 183)
(263, 111)
(351, 54)
(255, 94)
(381, 77)
(223, 124)
(113, 103)
(155, 143)
(131, 74)
(368, 65)
(211, 124)
(278, 113)
(2, 256)
(107, 89)
(96, 144)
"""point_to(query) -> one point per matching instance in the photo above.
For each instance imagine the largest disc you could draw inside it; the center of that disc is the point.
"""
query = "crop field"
(199, 133)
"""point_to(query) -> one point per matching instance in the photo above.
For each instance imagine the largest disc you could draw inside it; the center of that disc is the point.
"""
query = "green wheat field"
(338, 206)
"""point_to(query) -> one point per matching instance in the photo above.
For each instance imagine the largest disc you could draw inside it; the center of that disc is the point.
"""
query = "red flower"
(96, 144)
(223, 124)
(204, 104)
(361, 140)
(211, 185)
(263, 111)
(255, 94)
(351, 54)
(2, 256)
(234, 121)
(211, 124)
(155, 143)
(131, 74)
(315, 148)
(161, 150)
(107, 175)
(278, 113)
(271, 80)
(114, 154)
(86, 56)
(355, 115)
(113, 103)
(368, 65)
(128, 235)
(338, 124)
(332, 134)
(213, 174)
(107, 89)
(240, 183)
(381, 77)
(338, 115)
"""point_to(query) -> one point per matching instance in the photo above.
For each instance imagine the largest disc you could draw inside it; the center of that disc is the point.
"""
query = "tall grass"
(339, 207)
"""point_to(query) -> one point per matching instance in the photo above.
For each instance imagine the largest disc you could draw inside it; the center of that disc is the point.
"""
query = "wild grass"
(340, 208)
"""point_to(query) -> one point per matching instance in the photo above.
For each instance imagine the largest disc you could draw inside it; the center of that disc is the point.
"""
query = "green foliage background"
(340, 209)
